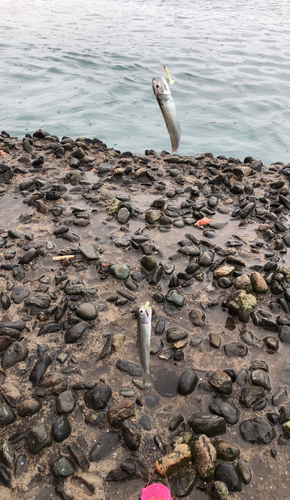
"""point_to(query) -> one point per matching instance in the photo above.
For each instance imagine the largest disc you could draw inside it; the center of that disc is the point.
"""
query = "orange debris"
(2, 153)
(203, 222)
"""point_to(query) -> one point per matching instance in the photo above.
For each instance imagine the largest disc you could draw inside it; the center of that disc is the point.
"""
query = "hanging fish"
(143, 336)
(167, 106)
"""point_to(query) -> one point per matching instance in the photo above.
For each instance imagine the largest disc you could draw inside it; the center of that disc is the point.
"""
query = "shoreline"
(87, 234)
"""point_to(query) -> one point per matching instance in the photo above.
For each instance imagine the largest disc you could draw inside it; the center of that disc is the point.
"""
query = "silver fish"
(144, 335)
(167, 106)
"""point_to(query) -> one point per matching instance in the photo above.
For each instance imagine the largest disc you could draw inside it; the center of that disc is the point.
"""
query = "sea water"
(84, 68)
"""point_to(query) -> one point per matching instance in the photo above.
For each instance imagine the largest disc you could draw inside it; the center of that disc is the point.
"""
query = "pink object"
(156, 492)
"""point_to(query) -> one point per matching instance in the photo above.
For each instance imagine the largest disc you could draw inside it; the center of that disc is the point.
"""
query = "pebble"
(61, 429)
(38, 438)
(204, 456)
(66, 402)
(63, 467)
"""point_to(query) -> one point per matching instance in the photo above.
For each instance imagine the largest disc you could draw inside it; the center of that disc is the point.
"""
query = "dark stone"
(61, 429)
(104, 446)
(38, 438)
(131, 368)
(132, 434)
(5, 476)
(227, 474)
(233, 349)
(221, 381)
(210, 425)
(257, 430)
(187, 382)
(165, 383)
(15, 353)
(49, 328)
(98, 397)
(75, 332)
(66, 402)
(145, 422)
(63, 467)
(183, 481)
(252, 394)
(39, 369)
(30, 255)
(79, 455)
(226, 408)
(19, 293)
(29, 407)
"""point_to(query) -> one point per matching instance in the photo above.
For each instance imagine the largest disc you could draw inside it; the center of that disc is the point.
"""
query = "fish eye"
(141, 310)
(157, 86)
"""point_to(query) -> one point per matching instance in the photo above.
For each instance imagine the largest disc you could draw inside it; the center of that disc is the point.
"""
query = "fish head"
(161, 88)
(145, 313)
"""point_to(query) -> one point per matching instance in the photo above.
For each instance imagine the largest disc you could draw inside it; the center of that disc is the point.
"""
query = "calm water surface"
(85, 67)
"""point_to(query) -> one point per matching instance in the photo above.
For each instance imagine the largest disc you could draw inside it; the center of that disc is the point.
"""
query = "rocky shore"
(87, 234)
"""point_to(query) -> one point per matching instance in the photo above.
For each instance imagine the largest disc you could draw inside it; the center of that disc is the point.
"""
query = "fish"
(143, 336)
(168, 109)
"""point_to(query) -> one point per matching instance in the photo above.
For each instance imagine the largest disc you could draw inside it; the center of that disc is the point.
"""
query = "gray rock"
(187, 382)
(88, 251)
(38, 299)
(79, 455)
(221, 381)
(19, 293)
(210, 425)
(7, 415)
(87, 311)
(120, 271)
(252, 394)
(29, 407)
(98, 397)
(175, 297)
(257, 430)
(66, 402)
(38, 438)
(227, 474)
(123, 215)
(7, 455)
(75, 289)
(132, 434)
(61, 429)
(226, 408)
(75, 332)
(104, 446)
(63, 467)
(15, 353)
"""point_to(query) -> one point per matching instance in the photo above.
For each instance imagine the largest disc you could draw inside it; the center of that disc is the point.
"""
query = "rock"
(251, 394)
(79, 455)
(38, 438)
(284, 334)
(226, 451)
(5, 342)
(132, 434)
(104, 446)
(63, 467)
(152, 216)
(175, 421)
(175, 298)
(183, 481)
(204, 457)
(88, 251)
(244, 471)
(210, 425)
(243, 282)
(123, 215)
(7, 455)
(226, 408)
(197, 317)
(246, 300)
(118, 413)
(38, 299)
(148, 262)
(120, 271)
(187, 382)
(7, 415)
(171, 463)
(220, 381)
(175, 334)
(5, 476)
(15, 353)
(257, 430)
(39, 369)
(145, 422)
(66, 402)
(61, 429)
(29, 407)
(131, 368)
(258, 283)
(261, 378)
(11, 394)
(30, 255)
(75, 289)
(98, 397)
(227, 474)
(223, 271)
(221, 490)
(51, 327)
(87, 311)
(75, 332)
(19, 293)
(234, 349)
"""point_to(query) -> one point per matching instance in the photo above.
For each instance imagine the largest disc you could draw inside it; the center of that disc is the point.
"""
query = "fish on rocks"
(143, 336)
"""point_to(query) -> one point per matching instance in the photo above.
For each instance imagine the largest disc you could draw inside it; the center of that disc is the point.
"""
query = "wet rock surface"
(87, 234)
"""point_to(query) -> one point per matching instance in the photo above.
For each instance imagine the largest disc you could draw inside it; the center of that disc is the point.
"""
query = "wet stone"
(131, 368)
(183, 481)
(75, 332)
(104, 446)
(132, 434)
(258, 283)
(7, 455)
(210, 425)
(284, 334)
(88, 251)
(175, 298)
(36, 299)
(197, 317)
(196, 340)
(87, 311)
(166, 383)
(244, 471)
(97, 398)
(120, 271)
(252, 394)
(7, 415)
(118, 413)
(79, 455)
(226, 451)
(19, 293)
(257, 430)
(61, 429)
(221, 490)
(220, 381)
(187, 382)
(227, 473)
(5, 476)
(236, 350)
(75, 289)
(15, 353)
(11, 394)
(171, 463)
(145, 422)
(29, 407)
(66, 402)
(226, 408)
(261, 378)
(63, 467)
(38, 438)
(39, 369)
(204, 456)
(175, 421)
